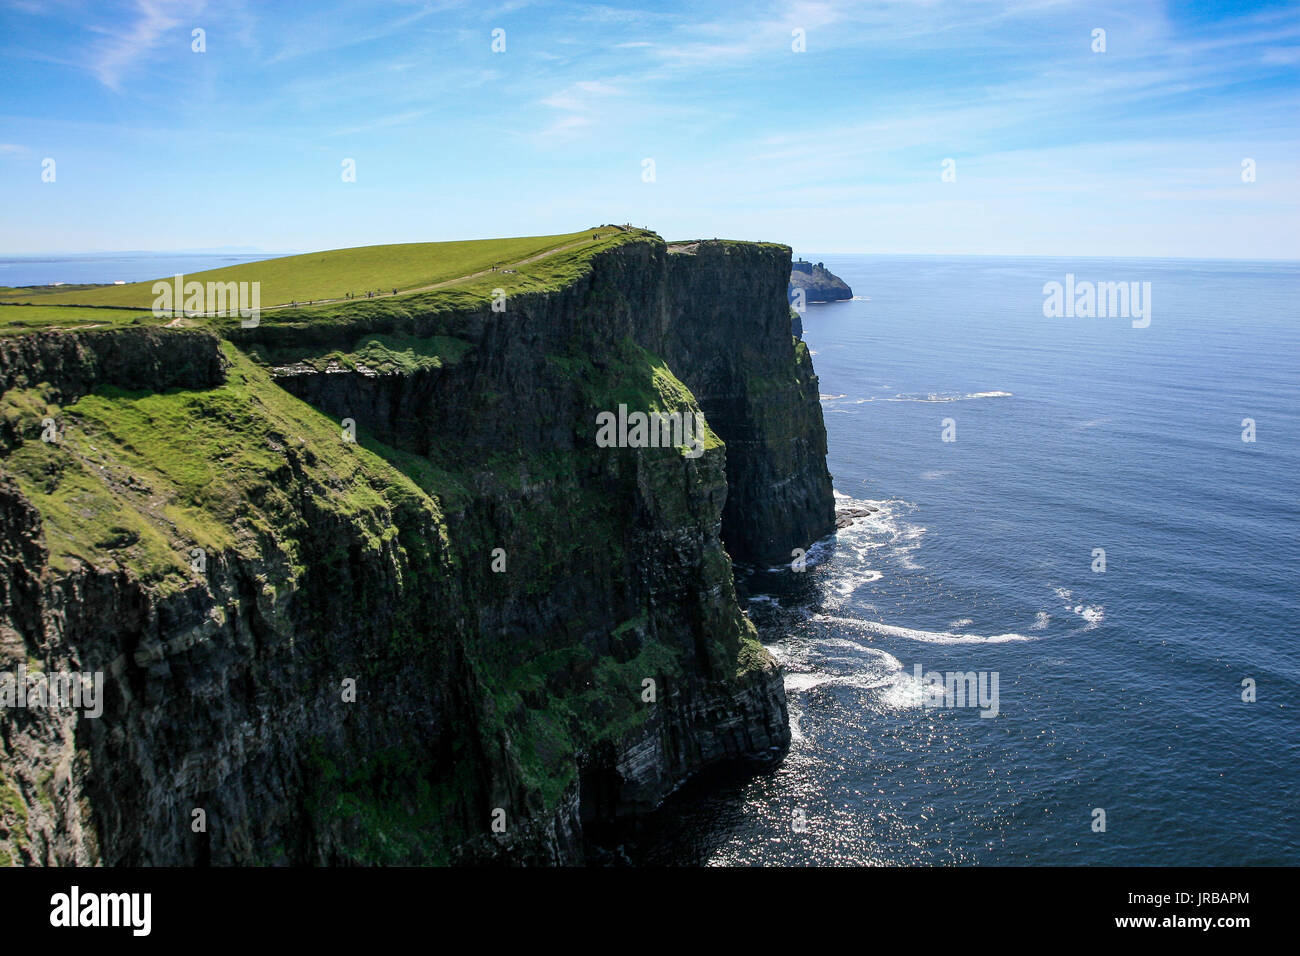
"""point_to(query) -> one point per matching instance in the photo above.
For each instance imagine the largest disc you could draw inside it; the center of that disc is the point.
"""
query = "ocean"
(1118, 690)
(109, 267)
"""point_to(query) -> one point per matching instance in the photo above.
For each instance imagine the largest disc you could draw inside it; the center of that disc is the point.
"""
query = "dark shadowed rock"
(819, 285)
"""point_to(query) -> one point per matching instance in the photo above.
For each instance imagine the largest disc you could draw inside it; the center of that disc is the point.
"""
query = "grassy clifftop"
(332, 275)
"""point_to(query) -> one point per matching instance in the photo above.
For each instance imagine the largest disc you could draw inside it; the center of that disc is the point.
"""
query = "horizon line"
(794, 251)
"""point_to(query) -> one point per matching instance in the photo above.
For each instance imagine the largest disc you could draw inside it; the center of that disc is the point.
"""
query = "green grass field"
(332, 275)
(16, 319)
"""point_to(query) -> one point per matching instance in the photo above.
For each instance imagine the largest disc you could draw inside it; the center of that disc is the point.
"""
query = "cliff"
(542, 633)
(818, 283)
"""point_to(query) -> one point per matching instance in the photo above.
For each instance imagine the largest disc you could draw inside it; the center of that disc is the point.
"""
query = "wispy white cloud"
(383, 122)
(129, 44)
(580, 105)
(329, 31)
(1281, 56)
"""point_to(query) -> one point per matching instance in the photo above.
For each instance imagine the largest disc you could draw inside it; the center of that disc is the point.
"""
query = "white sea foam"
(1041, 620)
(1091, 614)
(844, 644)
(860, 667)
(905, 692)
(865, 668)
(797, 683)
(849, 581)
(817, 552)
(961, 622)
(917, 634)
(882, 527)
(933, 397)
(905, 560)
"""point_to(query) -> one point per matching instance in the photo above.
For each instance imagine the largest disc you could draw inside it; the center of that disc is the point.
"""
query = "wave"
(933, 397)
(817, 552)
(904, 693)
(806, 671)
(879, 524)
(1091, 614)
(881, 672)
(844, 585)
(917, 634)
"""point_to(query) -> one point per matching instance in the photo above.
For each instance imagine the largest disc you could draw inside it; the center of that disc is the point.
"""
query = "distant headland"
(819, 285)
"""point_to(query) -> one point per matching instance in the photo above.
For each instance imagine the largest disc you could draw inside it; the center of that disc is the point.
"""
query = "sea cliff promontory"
(358, 584)
(817, 283)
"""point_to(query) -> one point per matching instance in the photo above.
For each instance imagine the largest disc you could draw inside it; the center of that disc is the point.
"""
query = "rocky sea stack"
(359, 585)
(819, 285)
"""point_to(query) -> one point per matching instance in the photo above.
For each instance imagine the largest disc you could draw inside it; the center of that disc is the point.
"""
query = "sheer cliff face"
(737, 356)
(543, 633)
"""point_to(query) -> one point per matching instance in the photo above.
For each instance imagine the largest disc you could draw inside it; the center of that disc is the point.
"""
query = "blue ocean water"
(108, 267)
(1119, 690)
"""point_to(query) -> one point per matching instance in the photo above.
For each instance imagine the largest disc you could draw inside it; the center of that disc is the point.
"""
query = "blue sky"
(1058, 149)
